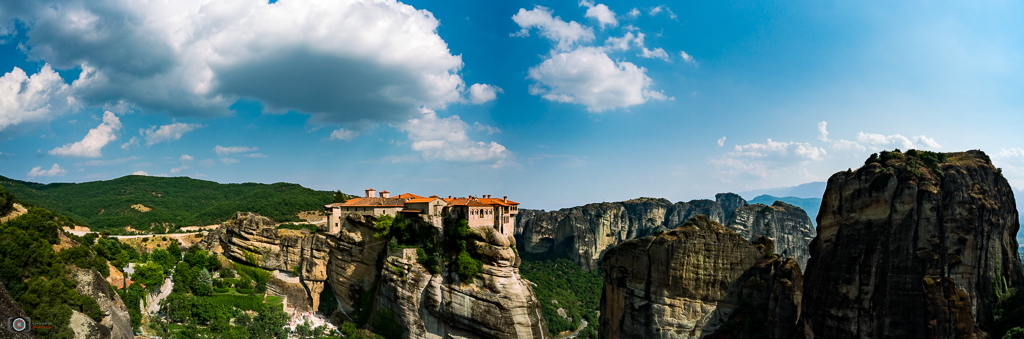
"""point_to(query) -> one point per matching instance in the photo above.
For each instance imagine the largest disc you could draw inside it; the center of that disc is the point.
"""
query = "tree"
(339, 197)
(174, 249)
(163, 257)
(203, 286)
(150, 275)
(383, 226)
(269, 323)
(7, 201)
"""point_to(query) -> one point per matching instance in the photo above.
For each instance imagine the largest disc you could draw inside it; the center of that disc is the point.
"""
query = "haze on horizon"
(553, 104)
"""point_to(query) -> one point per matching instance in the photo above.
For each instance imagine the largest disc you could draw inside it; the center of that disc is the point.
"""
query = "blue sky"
(554, 104)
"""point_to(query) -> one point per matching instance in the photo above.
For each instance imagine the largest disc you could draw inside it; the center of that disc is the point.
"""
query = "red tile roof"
(374, 202)
(420, 200)
(408, 196)
(410, 211)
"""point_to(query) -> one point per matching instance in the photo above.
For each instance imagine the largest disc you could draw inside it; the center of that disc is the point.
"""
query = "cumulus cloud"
(445, 139)
(629, 39)
(721, 142)
(343, 134)
(1011, 160)
(229, 161)
(600, 12)
(565, 34)
(481, 93)
(155, 135)
(94, 141)
(633, 12)
(224, 151)
(895, 140)
(659, 9)
(341, 61)
(54, 171)
(486, 128)
(589, 77)
(766, 160)
(39, 97)
(823, 131)
(140, 172)
(840, 144)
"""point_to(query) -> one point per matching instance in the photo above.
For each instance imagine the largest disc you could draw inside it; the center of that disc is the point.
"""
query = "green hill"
(809, 205)
(173, 202)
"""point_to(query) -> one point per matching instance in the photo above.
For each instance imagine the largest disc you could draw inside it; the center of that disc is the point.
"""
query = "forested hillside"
(153, 203)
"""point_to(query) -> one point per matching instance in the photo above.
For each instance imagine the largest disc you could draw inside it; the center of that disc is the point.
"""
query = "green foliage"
(269, 323)
(6, 201)
(383, 226)
(242, 302)
(339, 197)
(149, 274)
(296, 270)
(387, 325)
(83, 257)
(872, 158)
(467, 266)
(163, 258)
(1009, 314)
(177, 201)
(258, 275)
(131, 297)
(117, 253)
(227, 273)
(36, 277)
(577, 291)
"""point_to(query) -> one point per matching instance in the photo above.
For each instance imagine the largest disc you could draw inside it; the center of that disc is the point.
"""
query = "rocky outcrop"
(689, 282)
(912, 246)
(522, 217)
(787, 225)
(585, 232)
(117, 323)
(729, 202)
(10, 309)
(354, 263)
(86, 328)
(498, 303)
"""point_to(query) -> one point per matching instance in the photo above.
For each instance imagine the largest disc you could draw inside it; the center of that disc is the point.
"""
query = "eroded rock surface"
(908, 249)
(117, 324)
(787, 225)
(688, 283)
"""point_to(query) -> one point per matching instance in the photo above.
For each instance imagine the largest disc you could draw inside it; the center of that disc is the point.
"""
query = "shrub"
(467, 266)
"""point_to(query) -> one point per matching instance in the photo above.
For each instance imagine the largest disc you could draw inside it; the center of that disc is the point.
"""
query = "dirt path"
(17, 212)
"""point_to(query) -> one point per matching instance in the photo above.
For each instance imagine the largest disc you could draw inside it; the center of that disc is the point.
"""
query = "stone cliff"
(498, 304)
(912, 245)
(787, 225)
(117, 323)
(690, 281)
(585, 232)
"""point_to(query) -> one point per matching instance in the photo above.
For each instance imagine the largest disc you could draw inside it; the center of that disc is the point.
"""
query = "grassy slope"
(177, 201)
(809, 205)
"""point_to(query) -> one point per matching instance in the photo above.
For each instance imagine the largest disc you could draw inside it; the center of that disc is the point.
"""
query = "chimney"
(371, 193)
(488, 196)
(504, 199)
(449, 197)
(385, 194)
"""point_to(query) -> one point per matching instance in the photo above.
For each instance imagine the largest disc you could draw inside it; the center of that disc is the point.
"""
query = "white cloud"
(600, 12)
(634, 12)
(155, 135)
(38, 171)
(1015, 153)
(186, 163)
(39, 97)
(255, 155)
(446, 139)
(140, 172)
(133, 142)
(840, 144)
(589, 77)
(628, 39)
(343, 134)
(823, 131)
(223, 151)
(487, 128)
(341, 61)
(94, 141)
(687, 57)
(481, 93)
(657, 10)
(766, 160)
(896, 140)
(657, 53)
(721, 142)
(565, 34)
(229, 161)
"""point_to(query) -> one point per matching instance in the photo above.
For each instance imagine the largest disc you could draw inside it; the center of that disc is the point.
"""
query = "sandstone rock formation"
(688, 283)
(86, 328)
(8, 309)
(912, 246)
(585, 232)
(524, 216)
(117, 324)
(496, 304)
(787, 225)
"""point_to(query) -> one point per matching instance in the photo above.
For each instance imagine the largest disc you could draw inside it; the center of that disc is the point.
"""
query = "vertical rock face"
(729, 202)
(688, 282)
(912, 246)
(117, 323)
(524, 216)
(498, 303)
(585, 232)
(787, 225)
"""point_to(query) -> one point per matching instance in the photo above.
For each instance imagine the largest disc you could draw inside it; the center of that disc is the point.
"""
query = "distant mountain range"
(153, 203)
(809, 190)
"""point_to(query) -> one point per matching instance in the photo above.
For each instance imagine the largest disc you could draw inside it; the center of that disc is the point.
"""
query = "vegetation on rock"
(563, 284)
